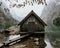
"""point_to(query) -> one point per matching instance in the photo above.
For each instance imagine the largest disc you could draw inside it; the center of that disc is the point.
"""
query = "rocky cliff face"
(6, 21)
(50, 12)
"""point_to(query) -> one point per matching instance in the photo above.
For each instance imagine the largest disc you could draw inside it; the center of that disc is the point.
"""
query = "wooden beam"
(32, 32)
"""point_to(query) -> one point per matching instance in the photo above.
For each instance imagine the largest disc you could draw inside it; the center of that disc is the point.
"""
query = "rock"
(37, 43)
(21, 46)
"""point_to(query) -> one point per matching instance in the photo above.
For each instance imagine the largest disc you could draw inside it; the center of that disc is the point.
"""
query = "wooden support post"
(42, 43)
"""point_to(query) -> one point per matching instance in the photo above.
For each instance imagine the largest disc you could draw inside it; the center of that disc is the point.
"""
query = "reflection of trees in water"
(54, 40)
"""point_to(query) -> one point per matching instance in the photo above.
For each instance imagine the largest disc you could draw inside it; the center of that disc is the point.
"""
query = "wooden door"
(31, 27)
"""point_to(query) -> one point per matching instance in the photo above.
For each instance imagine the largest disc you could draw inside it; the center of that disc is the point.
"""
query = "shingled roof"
(37, 17)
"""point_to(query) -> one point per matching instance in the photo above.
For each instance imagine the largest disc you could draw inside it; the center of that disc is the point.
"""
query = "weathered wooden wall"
(32, 24)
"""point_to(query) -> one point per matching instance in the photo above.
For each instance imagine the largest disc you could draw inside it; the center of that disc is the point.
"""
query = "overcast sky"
(20, 13)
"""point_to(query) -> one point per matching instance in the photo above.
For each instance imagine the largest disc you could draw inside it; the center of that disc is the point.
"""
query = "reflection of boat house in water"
(32, 23)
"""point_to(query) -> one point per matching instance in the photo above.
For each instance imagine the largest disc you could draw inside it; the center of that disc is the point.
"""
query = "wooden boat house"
(32, 23)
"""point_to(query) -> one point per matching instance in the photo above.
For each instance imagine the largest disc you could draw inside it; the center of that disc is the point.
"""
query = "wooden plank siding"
(32, 24)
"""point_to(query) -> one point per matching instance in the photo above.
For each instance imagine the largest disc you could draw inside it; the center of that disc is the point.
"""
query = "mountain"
(6, 21)
(50, 13)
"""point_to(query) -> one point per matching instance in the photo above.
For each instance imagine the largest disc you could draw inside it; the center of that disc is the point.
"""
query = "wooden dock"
(13, 41)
